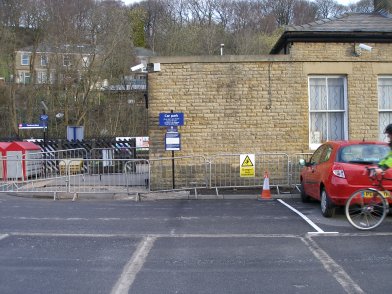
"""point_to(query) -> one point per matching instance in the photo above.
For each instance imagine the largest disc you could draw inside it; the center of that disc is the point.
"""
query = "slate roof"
(354, 22)
(349, 27)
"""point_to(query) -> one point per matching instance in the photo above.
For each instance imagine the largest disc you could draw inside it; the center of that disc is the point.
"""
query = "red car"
(337, 169)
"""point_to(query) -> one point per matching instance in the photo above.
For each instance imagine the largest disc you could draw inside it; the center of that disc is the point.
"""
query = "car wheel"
(304, 197)
(327, 208)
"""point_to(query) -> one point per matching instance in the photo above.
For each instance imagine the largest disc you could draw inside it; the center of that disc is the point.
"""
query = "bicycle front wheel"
(366, 209)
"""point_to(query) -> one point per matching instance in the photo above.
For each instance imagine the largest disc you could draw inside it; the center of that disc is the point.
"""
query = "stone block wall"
(253, 104)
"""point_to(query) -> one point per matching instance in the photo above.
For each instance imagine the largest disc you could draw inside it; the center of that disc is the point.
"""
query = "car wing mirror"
(302, 162)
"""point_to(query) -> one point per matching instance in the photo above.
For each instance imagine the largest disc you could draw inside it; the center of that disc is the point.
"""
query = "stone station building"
(327, 80)
(316, 84)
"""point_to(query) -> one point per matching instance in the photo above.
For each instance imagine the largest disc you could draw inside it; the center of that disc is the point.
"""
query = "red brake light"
(339, 172)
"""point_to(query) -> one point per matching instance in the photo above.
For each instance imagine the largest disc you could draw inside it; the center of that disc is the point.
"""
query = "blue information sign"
(31, 126)
(172, 141)
(171, 119)
(43, 117)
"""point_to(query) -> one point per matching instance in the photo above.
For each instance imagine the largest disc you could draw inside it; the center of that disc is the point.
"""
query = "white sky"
(345, 2)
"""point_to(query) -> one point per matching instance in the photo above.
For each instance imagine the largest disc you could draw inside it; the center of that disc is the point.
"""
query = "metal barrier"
(65, 154)
(295, 168)
(178, 173)
(122, 152)
(115, 176)
(51, 157)
(225, 170)
(32, 175)
(134, 176)
(137, 173)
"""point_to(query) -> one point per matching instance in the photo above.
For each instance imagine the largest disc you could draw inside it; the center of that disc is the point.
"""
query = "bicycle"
(367, 208)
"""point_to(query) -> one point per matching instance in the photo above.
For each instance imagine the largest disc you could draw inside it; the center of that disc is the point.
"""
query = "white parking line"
(133, 266)
(3, 236)
(332, 267)
(316, 227)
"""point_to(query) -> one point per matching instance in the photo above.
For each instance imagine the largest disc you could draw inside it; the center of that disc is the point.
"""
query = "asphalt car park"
(187, 246)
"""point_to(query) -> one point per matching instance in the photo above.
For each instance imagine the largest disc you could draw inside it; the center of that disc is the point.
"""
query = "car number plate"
(367, 194)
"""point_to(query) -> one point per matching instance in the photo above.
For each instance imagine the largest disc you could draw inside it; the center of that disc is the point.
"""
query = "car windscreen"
(363, 153)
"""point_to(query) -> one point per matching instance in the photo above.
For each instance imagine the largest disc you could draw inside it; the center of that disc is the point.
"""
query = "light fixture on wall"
(358, 49)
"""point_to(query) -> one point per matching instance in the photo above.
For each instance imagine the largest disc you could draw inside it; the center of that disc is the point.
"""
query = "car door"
(322, 170)
(311, 176)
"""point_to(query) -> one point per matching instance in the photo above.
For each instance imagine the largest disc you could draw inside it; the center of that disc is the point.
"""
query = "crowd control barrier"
(81, 175)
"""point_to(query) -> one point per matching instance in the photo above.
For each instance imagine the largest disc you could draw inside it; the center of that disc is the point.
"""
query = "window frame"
(25, 59)
(23, 76)
(314, 146)
(382, 137)
(42, 77)
(44, 60)
(85, 61)
(67, 60)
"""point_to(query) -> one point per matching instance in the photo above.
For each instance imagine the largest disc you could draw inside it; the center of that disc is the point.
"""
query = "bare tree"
(383, 5)
(304, 11)
(282, 10)
(98, 38)
(364, 6)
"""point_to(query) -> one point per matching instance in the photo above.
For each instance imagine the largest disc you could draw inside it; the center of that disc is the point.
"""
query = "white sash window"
(384, 105)
(327, 109)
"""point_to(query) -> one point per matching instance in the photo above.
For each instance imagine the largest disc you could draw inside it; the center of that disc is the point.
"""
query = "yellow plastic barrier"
(75, 166)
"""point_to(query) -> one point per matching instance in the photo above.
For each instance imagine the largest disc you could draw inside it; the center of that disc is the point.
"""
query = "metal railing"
(295, 168)
(225, 170)
(178, 173)
(115, 176)
(36, 173)
(32, 175)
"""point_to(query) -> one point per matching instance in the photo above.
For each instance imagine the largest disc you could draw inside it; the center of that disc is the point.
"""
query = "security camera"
(137, 67)
(365, 47)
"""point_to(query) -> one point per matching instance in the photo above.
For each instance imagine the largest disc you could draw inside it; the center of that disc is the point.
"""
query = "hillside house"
(47, 64)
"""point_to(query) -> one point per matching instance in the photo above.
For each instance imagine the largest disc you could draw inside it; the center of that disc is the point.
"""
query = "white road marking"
(138, 258)
(3, 236)
(133, 266)
(316, 227)
(172, 235)
(332, 267)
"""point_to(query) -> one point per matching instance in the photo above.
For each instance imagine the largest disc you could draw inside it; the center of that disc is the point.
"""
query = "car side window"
(327, 154)
(316, 157)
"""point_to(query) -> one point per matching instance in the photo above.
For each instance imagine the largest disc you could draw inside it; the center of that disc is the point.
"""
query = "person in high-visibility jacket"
(386, 162)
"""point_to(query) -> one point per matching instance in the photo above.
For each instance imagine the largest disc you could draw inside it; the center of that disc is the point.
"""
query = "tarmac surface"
(240, 245)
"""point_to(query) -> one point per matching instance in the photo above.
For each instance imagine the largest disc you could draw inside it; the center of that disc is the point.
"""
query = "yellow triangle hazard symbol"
(247, 162)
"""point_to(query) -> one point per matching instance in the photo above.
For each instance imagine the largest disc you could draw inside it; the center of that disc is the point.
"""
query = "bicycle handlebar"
(375, 177)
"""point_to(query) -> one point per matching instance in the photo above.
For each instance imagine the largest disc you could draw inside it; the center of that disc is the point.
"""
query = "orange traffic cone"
(266, 193)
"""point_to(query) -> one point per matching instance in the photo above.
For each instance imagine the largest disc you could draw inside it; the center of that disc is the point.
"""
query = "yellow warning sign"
(247, 161)
(247, 165)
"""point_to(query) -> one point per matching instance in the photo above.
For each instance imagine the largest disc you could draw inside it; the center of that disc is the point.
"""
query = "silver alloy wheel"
(327, 208)
(323, 201)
